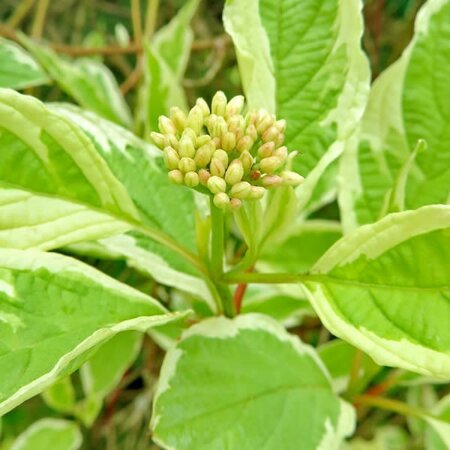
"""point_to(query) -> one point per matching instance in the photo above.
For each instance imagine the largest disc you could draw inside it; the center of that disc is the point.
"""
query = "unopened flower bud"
(236, 123)
(234, 106)
(158, 139)
(241, 190)
(203, 155)
(235, 203)
(216, 141)
(247, 161)
(220, 127)
(291, 178)
(191, 179)
(178, 118)
(279, 141)
(252, 132)
(216, 184)
(266, 150)
(244, 144)
(219, 103)
(235, 172)
(265, 121)
(280, 125)
(281, 152)
(271, 181)
(190, 133)
(270, 164)
(202, 140)
(222, 156)
(186, 148)
(251, 118)
(256, 193)
(270, 134)
(195, 119)
(171, 158)
(217, 167)
(166, 126)
(187, 165)
(204, 176)
(221, 200)
(228, 141)
(175, 176)
(211, 122)
(204, 106)
(171, 141)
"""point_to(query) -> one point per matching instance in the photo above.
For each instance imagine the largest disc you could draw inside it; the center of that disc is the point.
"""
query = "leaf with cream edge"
(54, 311)
(246, 383)
(407, 103)
(161, 204)
(373, 284)
(50, 433)
(165, 61)
(56, 189)
(311, 71)
(18, 70)
(86, 80)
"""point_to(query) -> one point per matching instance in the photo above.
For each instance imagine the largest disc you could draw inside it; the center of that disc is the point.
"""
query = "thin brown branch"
(132, 48)
(132, 79)
(239, 293)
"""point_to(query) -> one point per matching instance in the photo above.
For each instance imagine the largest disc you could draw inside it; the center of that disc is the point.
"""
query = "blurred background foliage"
(113, 32)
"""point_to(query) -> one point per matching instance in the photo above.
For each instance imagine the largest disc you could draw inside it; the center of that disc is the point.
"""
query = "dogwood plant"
(216, 202)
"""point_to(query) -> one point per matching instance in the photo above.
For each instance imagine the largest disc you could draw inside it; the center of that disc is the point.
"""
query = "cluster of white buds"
(221, 152)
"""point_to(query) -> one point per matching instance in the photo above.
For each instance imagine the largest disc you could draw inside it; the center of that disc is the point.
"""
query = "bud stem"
(216, 258)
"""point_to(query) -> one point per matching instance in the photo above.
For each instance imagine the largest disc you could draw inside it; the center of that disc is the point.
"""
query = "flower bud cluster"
(222, 152)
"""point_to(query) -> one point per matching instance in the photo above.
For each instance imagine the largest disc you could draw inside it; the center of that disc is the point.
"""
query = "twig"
(212, 71)
(239, 294)
(150, 18)
(39, 19)
(136, 20)
(132, 79)
(132, 48)
(23, 8)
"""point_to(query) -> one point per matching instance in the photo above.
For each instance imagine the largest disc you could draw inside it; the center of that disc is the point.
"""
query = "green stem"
(217, 241)
(216, 259)
(391, 405)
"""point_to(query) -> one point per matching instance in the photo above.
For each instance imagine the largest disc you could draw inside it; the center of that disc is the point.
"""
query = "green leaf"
(86, 80)
(437, 432)
(373, 284)
(165, 61)
(246, 383)
(243, 23)
(56, 189)
(104, 370)
(60, 395)
(18, 70)
(338, 357)
(314, 75)
(278, 302)
(406, 105)
(301, 247)
(54, 310)
(50, 433)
